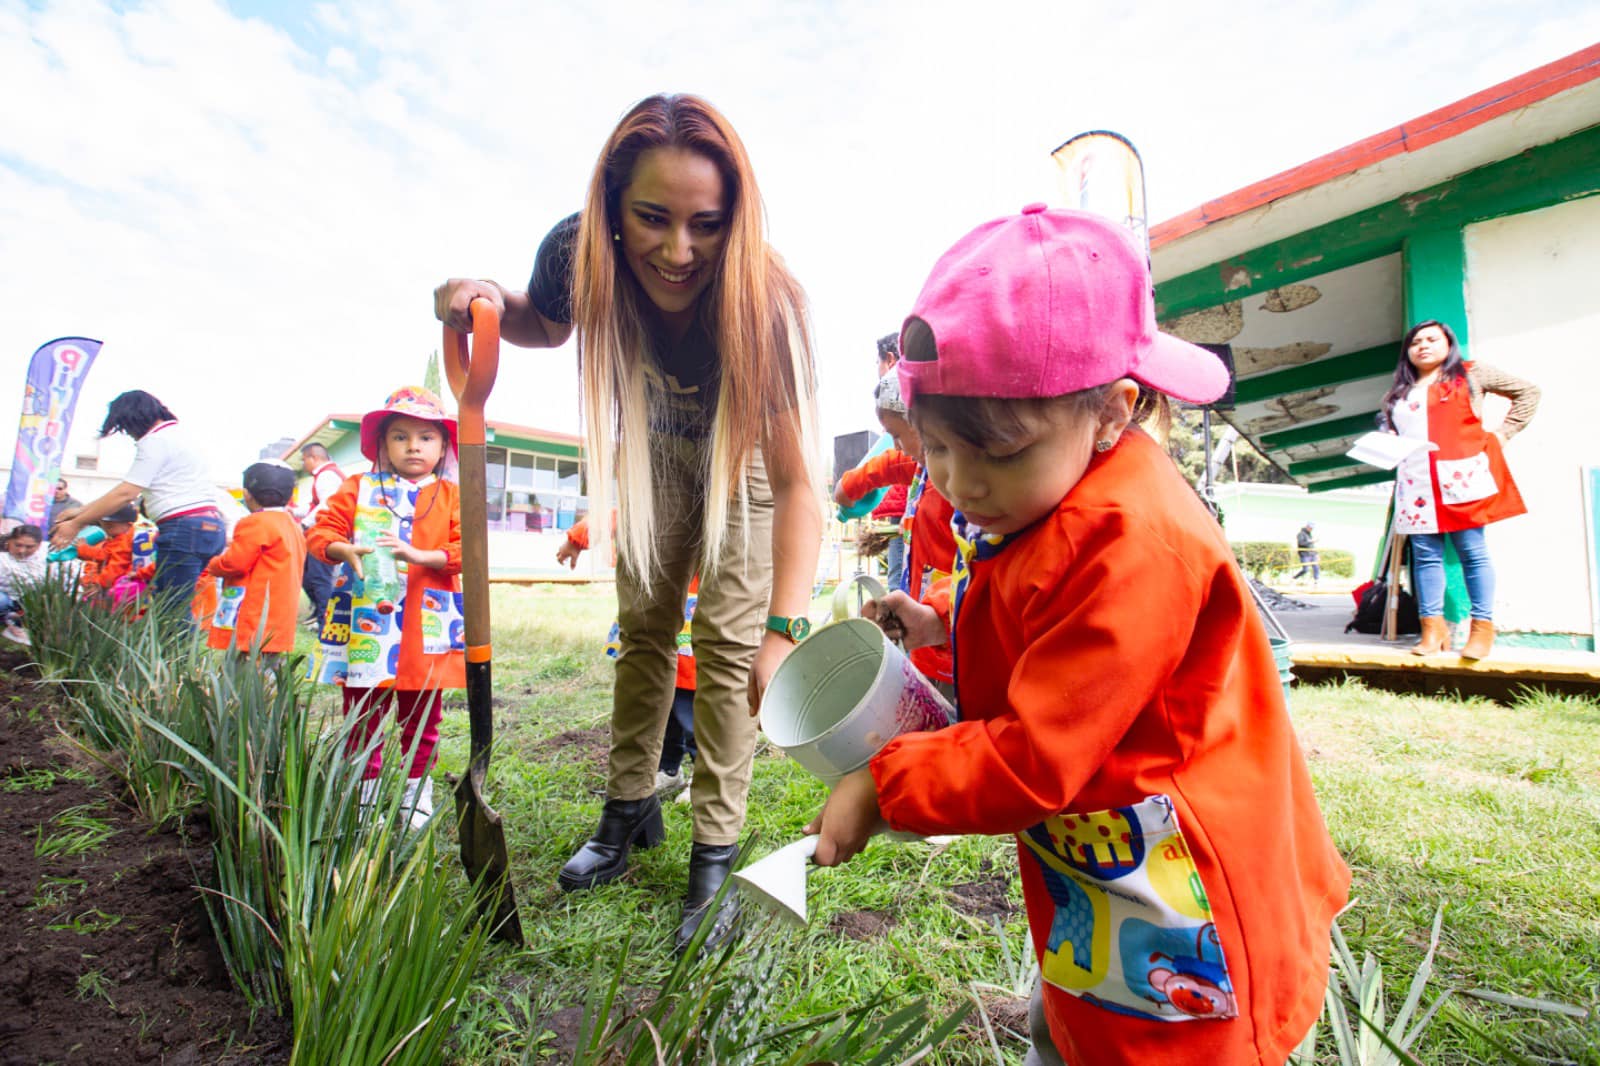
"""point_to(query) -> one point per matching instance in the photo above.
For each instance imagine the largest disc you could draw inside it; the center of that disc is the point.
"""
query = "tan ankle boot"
(1435, 636)
(1480, 638)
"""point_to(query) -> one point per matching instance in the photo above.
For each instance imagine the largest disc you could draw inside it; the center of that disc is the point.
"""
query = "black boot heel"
(624, 824)
(709, 867)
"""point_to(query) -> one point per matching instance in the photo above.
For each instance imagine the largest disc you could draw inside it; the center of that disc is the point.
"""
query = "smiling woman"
(698, 397)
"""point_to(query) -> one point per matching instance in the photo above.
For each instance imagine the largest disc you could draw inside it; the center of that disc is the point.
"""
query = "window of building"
(533, 493)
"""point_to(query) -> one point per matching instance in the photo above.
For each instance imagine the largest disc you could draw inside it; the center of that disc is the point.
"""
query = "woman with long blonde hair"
(698, 398)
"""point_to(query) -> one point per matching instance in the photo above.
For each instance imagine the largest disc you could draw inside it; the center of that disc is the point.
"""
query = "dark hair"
(271, 484)
(128, 512)
(989, 422)
(888, 347)
(1405, 375)
(313, 447)
(26, 531)
(134, 413)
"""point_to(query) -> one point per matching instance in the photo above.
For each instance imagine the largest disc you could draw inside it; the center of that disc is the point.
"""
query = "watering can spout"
(777, 883)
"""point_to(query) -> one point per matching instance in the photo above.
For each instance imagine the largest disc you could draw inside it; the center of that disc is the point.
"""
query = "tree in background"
(1187, 449)
(431, 377)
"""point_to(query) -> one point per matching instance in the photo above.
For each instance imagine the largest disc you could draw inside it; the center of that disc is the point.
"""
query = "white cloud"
(253, 216)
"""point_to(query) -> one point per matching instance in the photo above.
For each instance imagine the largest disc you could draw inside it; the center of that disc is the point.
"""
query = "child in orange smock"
(258, 574)
(394, 637)
(1121, 712)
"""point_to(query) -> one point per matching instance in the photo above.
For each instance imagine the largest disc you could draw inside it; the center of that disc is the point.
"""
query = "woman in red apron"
(1458, 485)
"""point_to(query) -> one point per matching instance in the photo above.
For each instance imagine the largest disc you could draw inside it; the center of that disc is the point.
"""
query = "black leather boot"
(624, 824)
(709, 867)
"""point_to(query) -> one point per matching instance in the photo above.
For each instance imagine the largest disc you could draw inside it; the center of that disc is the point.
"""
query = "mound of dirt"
(107, 954)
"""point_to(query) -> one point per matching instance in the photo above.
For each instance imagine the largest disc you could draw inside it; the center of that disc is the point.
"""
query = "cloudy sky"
(250, 202)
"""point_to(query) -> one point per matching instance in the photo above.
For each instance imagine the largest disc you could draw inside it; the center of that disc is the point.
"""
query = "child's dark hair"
(888, 347)
(24, 531)
(990, 423)
(270, 484)
(134, 413)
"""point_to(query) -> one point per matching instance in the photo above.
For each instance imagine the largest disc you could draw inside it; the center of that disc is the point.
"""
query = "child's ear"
(1122, 396)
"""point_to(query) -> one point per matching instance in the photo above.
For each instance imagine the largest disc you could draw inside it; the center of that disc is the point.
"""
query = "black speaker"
(849, 449)
(1225, 353)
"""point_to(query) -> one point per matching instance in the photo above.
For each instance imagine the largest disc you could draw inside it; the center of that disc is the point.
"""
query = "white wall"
(1533, 304)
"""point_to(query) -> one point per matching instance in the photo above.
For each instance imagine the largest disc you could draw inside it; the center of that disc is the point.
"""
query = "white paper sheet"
(1386, 450)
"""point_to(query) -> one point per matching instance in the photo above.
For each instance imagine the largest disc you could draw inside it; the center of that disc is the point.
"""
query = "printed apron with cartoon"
(1131, 928)
(359, 644)
(1463, 484)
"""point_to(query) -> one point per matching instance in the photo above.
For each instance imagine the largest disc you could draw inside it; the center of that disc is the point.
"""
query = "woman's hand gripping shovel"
(483, 837)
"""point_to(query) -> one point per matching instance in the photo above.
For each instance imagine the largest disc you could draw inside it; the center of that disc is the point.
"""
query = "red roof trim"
(1448, 121)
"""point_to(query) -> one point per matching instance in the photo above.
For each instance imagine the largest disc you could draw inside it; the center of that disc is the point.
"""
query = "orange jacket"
(889, 467)
(113, 557)
(267, 558)
(1107, 654)
(436, 525)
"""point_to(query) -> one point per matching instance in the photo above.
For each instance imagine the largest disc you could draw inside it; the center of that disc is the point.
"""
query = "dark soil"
(107, 956)
(988, 898)
(589, 748)
(862, 925)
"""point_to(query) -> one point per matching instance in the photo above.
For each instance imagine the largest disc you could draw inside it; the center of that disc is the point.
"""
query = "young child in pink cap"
(396, 644)
(1121, 712)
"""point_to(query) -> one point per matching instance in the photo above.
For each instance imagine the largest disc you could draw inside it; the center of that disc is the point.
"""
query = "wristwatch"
(796, 629)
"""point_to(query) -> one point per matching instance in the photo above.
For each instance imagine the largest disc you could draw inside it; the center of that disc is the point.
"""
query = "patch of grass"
(43, 778)
(76, 831)
(53, 892)
(94, 920)
(95, 985)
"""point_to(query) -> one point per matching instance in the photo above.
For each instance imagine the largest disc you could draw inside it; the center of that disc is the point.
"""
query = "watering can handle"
(841, 595)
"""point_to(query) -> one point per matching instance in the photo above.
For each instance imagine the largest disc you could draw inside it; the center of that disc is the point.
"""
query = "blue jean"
(317, 580)
(678, 740)
(1427, 564)
(183, 547)
(8, 606)
(895, 561)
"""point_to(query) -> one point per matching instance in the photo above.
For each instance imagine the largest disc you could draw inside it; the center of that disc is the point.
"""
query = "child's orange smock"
(260, 570)
(113, 558)
(1112, 669)
(435, 525)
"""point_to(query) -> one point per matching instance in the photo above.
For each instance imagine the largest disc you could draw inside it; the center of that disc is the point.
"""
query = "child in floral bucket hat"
(392, 635)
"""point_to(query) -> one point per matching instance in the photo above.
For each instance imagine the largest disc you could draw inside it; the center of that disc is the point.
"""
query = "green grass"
(75, 831)
(1493, 812)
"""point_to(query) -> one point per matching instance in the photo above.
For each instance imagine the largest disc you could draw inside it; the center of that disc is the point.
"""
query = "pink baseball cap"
(1043, 304)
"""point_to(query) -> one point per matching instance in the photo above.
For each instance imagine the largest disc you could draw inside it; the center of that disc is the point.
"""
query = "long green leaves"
(325, 907)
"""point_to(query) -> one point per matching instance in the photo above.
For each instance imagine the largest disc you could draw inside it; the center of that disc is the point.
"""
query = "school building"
(537, 489)
(1484, 214)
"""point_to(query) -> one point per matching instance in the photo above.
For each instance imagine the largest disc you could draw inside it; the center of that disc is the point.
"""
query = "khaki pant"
(728, 622)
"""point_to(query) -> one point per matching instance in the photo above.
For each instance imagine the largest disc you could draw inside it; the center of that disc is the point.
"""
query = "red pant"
(411, 708)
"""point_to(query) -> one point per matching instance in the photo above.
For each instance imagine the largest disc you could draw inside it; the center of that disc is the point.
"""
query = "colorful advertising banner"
(1101, 172)
(55, 377)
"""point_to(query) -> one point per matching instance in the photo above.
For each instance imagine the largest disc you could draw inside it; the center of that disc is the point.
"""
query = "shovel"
(483, 837)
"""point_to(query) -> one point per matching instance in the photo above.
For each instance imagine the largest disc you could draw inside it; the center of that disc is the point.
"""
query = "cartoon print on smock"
(1132, 930)
(359, 644)
(144, 548)
(229, 597)
(685, 635)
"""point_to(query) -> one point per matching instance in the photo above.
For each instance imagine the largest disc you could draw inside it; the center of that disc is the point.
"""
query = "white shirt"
(15, 572)
(170, 471)
(325, 481)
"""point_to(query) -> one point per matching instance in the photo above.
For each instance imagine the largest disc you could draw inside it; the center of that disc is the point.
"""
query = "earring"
(1103, 445)
(616, 236)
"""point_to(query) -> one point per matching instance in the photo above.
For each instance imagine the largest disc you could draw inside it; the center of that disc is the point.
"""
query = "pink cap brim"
(1182, 370)
(372, 420)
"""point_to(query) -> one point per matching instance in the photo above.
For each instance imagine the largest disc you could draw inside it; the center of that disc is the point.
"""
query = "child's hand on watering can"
(903, 619)
(848, 820)
(345, 552)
